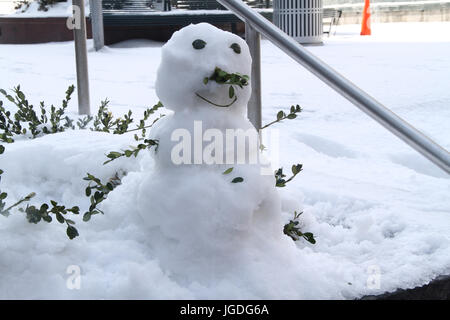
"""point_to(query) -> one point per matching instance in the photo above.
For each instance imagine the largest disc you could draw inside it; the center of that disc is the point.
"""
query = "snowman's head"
(199, 52)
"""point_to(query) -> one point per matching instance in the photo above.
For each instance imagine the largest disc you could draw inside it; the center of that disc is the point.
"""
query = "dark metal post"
(97, 23)
(79, 31)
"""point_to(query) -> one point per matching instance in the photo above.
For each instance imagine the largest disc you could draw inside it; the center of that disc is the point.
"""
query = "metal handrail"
(396, 125)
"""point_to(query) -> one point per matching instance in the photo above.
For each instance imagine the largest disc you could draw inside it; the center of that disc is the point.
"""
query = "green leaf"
(309, 237)
(3, 196)
(28, 197)
(75, 210)
(228, 171)
(86, 217)
(128, 153)
(98, 195)
(72, 232)
(222, 74)
(237, 180)
(2, 149)
(33, 215)
(231, 92)
(292, 116)
(60, 218)
(113, 155)
(21, 95)
(280, 115)
(44, 208)
(88, 192)
(296, 168)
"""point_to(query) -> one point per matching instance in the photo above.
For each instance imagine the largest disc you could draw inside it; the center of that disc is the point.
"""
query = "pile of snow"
(378, 210)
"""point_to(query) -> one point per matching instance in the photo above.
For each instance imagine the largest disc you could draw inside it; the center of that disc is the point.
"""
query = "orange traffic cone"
(365, 26)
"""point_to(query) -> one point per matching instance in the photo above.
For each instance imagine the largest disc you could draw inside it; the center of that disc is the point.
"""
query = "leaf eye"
(198, 44)
(236, 48)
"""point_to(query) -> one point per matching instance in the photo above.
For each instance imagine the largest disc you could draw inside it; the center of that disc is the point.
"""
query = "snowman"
(201, 199)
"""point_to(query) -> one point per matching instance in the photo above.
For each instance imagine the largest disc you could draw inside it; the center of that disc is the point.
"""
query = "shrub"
(43, 4)
(30, 123)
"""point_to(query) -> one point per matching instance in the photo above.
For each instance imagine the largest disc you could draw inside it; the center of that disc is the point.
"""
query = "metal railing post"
(79, 32)
(97, 23)
(253, 39)
(396, 125)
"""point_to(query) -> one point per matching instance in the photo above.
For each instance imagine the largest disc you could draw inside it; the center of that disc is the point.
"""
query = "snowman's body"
(201, 203)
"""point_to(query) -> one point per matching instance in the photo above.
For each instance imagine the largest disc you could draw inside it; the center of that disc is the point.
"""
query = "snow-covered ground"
(372, 203)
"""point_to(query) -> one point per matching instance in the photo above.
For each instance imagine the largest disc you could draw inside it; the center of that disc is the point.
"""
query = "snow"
(6, 7)
(197, 226)
(181, 61)
(371, 201)
(57, 10)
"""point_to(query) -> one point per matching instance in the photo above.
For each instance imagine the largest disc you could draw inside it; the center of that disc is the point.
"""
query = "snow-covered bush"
(22, 4)
(44, 123)
(26, 122)
(43, 4)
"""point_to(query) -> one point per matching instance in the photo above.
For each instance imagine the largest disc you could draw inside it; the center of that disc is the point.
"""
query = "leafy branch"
(146, 143)
(104, 120)
(134, 151)
(292, 229)
(6, 212)
(101, 191)
(12, 124)
(35, 215)
(142, 126)
(56, 121)
(281, 115)
(279, 175)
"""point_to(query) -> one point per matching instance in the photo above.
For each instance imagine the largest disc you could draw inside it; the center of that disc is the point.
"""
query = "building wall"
(333, 2)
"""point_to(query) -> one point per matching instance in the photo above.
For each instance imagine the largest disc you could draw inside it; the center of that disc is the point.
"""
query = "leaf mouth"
(222, 77)
(216, 104)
